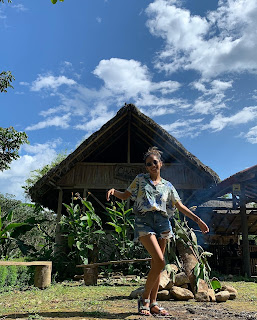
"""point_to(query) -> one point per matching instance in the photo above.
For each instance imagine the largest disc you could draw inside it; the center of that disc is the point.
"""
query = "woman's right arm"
(118, 194)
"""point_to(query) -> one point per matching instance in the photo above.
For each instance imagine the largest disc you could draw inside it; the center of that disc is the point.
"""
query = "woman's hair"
(153, 151)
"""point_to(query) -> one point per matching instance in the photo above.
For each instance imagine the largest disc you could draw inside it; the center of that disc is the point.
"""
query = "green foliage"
(83, 229)
(10, 143)
(54, 1)
(19, 228)
(15, 276)
(122, 221)
(6, 78)
(187, 236)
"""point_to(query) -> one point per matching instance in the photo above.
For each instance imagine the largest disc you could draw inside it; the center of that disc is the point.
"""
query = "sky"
(189, 65)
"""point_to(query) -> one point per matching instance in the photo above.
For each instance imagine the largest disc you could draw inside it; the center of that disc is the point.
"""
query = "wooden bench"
(91, 270)
(43, 270)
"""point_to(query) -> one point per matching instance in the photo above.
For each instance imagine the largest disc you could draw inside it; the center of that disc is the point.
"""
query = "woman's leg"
(153, 295)
(156, 250)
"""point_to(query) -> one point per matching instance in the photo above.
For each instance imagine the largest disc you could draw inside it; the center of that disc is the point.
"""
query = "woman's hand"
(110, 193)
(203, 226)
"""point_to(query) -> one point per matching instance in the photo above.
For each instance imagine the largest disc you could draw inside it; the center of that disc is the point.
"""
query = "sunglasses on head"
(149, 164)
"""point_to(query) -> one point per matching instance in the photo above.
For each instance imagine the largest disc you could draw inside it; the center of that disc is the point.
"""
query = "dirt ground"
(123, 308)
(79, 302)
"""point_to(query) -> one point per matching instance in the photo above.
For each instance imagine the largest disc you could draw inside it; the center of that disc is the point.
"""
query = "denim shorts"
(152, 222)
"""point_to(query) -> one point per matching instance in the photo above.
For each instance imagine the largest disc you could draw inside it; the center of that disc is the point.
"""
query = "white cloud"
(50, 82)
(251, 135)
(97, 117)
(19, 7)
(24, 83)
(51, 111)
(131, 79)
(219, 122)
(34, 157)
(181, 128)
(98, 19)
(222, 42)
(57, 121)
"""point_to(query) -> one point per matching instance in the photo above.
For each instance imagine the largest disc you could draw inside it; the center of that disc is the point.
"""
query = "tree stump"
(42, 277)
(90, 276)
(189, 262)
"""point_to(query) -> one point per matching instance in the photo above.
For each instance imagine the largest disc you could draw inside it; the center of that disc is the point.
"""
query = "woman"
(154, 198)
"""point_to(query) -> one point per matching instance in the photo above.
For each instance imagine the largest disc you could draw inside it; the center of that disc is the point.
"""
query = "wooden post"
(42, 278)
(58, 238)
(245, 241)
(90, 276)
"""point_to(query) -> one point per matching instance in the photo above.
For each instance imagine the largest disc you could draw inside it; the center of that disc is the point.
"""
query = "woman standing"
(154, 198)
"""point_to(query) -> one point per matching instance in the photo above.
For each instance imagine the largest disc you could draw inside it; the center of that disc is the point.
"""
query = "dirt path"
(126, 309)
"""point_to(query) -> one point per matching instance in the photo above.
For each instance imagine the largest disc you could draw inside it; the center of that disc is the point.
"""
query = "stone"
(202, 297)
(171, 268)
(135, 294)
(233, 292)
(211, 295)
(185, 286)
(164, 280)
(203, 286)
(181, 294)
(222, 296)
(169, 285)
(163, 295)
(180, 279)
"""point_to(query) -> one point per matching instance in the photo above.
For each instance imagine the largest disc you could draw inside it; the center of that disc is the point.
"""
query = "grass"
(75, 301)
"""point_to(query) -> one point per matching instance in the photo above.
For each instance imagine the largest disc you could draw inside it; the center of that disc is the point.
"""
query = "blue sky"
(189, 65)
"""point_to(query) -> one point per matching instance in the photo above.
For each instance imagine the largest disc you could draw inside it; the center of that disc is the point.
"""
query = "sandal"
(162, 312)
(141, 306)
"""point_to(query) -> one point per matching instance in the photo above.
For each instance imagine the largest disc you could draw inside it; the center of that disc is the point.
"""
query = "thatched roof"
(143, 130)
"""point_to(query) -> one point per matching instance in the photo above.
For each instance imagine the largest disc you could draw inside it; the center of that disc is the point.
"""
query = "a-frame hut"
(111, 158)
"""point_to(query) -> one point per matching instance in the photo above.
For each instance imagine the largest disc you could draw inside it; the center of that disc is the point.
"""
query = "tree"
(54, 1)
(37, 174)
(5, 80)
(10, 139)
(10, 143)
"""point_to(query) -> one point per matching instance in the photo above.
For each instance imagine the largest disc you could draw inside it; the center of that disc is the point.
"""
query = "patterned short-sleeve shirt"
(149, 197)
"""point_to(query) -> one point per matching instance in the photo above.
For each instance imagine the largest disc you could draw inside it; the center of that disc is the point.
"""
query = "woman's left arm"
(182, 208)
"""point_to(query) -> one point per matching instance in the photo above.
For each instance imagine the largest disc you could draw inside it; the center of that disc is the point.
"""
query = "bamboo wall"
(104, 176)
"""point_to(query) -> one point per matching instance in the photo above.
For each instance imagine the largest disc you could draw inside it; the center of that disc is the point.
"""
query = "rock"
(233, 292)
(136, 293)
(185, 286)
(181, 294)
(169, 285)
(203, 286)
(202, 297)
(180, 279)
(211, 295)
(222, 296)
(163, 295)
(165, 279)
(171, 268)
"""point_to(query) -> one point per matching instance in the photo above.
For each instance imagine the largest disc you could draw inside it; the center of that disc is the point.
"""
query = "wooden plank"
(91, 265)
(20, 263)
